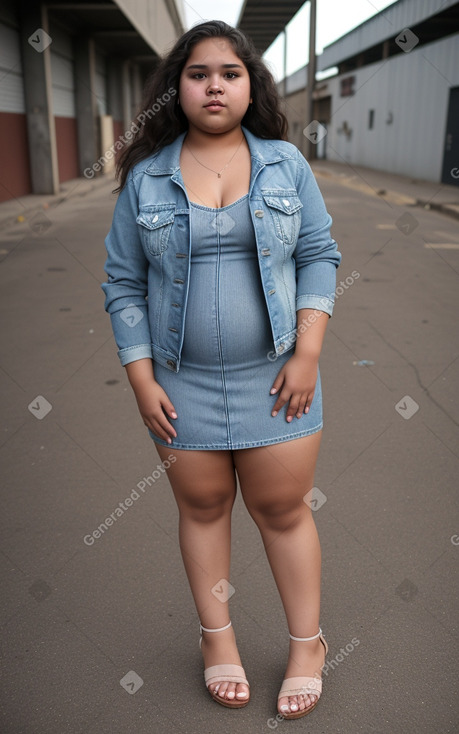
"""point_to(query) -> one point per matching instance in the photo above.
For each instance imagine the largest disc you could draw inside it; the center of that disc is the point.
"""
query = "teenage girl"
(221, 278)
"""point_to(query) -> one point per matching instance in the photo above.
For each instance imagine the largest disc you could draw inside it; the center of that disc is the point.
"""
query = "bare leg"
(274, 480)
(204, 486)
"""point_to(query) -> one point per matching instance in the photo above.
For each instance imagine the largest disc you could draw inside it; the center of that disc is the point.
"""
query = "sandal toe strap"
(299, 685)
(229, 673)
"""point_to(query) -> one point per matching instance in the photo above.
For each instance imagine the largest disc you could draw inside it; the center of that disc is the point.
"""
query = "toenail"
(242, 694)
(284, 707)
(294, 707)
(231, 694)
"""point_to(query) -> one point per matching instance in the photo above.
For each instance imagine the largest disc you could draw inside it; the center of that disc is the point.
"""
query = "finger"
(169, 408)
(163, 428)
(277, 384)
(293, 407)
(309, 402)
(280, 402)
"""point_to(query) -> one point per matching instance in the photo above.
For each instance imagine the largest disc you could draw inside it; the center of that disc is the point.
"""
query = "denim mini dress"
(222, 391)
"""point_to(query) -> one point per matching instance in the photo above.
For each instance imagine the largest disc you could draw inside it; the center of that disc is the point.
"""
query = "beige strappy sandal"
(227, 672)
(301, 685)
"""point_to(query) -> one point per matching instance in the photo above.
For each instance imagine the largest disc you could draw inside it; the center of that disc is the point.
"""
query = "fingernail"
(174, 415)
(169, 440)
(289, 419)
(273, 390)
(306, 410)
(274, 413)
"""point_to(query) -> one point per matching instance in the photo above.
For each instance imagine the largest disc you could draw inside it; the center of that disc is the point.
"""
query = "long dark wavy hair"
(162, 117)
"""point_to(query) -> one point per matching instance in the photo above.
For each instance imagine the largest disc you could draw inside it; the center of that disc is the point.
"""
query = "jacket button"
(286, 202)
(170, 363)
(259, 213)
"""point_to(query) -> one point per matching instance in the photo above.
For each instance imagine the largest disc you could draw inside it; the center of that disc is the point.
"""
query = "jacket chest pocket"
(285, 211)
(155, 224)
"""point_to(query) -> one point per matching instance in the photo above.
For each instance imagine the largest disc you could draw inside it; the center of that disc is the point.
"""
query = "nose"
(214, 87)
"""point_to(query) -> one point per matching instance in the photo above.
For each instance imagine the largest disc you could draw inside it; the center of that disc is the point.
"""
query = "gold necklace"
(219, 173)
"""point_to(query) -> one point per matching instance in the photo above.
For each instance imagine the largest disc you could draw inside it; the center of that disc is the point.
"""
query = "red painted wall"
(67, 148)
(14, 154)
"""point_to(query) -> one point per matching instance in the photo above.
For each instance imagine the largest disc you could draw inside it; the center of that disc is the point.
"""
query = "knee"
(207, 507)
(279, 516)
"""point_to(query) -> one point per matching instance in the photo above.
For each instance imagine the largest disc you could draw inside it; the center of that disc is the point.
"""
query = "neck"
(197, 139)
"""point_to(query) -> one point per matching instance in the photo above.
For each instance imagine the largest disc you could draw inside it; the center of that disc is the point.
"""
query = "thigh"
(275, 478)
(202, 480)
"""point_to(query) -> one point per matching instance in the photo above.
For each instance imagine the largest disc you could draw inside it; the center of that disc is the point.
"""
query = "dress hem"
(236, 445)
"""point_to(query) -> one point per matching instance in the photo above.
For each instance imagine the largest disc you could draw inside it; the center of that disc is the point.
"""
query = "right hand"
(154, 407)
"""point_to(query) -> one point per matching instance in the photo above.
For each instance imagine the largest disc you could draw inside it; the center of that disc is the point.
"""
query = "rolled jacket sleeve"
(127, 282)
(316, 253)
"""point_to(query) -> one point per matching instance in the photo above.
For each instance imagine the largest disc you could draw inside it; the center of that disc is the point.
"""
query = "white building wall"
(62, 73)
(411, 87)
(386, 24)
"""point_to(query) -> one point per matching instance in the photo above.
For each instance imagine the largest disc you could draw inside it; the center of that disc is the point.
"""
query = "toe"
(242, 691)
(222, 688)
(293, 703)
(282, 705)
(231, 691)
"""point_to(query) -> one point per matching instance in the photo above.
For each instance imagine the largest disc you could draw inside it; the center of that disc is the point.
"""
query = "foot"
(305, 659)
(219, 648)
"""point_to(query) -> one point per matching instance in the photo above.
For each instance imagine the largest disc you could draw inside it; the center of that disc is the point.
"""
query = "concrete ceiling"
(263, 20)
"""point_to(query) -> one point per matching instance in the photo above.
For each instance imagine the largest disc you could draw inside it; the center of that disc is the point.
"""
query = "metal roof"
(263, 20)
(386, 25)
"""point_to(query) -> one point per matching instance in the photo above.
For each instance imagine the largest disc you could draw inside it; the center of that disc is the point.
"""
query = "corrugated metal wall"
(409, 94)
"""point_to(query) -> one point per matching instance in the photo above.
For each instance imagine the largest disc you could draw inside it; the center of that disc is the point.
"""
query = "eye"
(198, 74)
(232, 74)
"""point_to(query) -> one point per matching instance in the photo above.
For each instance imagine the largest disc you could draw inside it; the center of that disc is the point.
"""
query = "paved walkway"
(99, 629)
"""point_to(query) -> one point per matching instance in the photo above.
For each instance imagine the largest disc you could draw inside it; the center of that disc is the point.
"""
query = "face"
(214, 72)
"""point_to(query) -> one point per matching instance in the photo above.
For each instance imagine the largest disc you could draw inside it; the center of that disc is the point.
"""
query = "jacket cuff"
(131, 354)
(320, 303)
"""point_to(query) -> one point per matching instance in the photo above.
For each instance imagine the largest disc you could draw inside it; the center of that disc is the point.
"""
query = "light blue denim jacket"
(149, 249)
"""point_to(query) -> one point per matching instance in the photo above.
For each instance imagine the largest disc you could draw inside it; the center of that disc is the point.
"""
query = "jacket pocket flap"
(153, 218)
(285, 204)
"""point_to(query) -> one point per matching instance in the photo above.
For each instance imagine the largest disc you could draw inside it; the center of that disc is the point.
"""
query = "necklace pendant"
(219, 175)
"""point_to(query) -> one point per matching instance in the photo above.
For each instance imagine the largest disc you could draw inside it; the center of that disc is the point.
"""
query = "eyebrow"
(224, 66)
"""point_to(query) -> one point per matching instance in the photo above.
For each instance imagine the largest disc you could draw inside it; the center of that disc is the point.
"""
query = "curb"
(450, 209)
(74, 189)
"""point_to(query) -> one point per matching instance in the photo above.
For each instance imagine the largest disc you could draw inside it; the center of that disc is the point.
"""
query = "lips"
(214, 103)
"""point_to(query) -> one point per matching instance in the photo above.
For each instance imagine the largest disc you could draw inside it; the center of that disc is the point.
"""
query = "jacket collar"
(167, 160)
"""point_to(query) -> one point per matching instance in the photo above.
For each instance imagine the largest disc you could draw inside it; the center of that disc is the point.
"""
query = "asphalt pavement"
(99, 629)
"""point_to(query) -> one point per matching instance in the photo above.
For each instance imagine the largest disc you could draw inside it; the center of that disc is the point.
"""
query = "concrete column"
(85, 102)
(137, 88)
(126, 91)
(114, 88)
(36, 61)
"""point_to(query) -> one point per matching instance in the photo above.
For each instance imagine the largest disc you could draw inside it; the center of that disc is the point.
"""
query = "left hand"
(297, 382)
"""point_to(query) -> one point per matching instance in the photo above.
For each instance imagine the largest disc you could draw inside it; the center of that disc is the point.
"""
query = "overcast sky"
(334, 19)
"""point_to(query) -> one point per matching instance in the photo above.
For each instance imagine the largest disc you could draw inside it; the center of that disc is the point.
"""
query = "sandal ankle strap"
(220, 629)
(306, 639)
